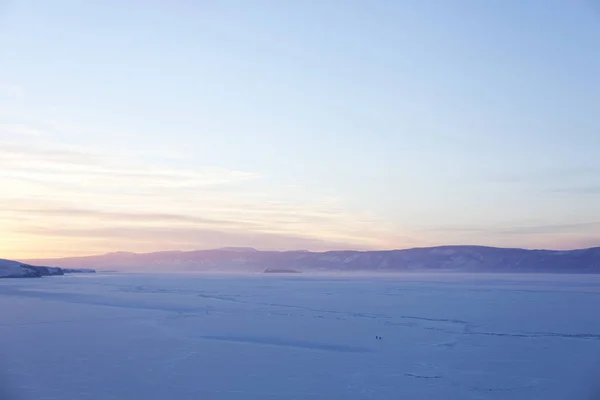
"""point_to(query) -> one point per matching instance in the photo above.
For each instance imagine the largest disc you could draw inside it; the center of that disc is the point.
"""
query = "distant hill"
(444, 258)
(15, 269)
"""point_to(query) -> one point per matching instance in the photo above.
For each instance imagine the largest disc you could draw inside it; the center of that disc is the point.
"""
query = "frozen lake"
(176, 336)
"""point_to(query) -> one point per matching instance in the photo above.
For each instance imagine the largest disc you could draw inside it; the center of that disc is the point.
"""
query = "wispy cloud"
(20, 154)
(109, 202)
(103, 216)
(15, 129)
(540, 229)
(591, 190)
(77, 161)
(181, 238)
(545, 176)
(14, 91)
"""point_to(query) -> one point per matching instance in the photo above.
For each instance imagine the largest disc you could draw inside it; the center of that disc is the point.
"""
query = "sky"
(331, 124)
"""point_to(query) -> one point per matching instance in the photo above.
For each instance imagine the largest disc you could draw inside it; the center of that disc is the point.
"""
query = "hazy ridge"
(443, 258)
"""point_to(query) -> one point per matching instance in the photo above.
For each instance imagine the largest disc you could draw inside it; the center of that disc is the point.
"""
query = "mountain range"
(431, 259)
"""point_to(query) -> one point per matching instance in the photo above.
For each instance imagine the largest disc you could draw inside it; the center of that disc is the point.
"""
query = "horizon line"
(252, 249)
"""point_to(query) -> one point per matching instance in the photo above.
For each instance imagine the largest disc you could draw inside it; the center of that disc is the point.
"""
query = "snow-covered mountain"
(16, 269)
(445, 258)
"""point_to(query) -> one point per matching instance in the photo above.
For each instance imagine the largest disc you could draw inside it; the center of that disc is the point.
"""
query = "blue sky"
(153, 125)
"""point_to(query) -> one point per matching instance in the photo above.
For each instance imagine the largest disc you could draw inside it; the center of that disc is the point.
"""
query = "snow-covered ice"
(193, 336)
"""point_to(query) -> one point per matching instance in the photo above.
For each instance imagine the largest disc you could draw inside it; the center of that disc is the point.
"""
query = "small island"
(281, 271)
